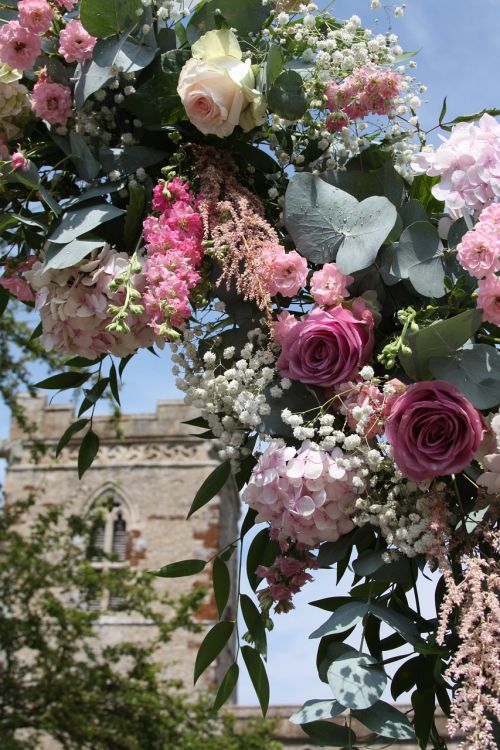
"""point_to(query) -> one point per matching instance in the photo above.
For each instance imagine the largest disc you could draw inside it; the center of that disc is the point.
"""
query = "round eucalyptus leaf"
(314, 710)
(475, 371)
(344, 618)
(355, 681)
(419, 258)
(386, 720)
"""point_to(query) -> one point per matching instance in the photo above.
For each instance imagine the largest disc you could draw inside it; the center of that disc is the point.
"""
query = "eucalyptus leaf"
(246, 16)
(386, 720)
(103, 18)
(90, 77)
(475, 371)
(328, 734)
(363, 183)
(274, 65)
(82, 220)
(286, 97)
(419, 258)
(87, 165)
(343, 618)
(129, 159)
(315, 710)
(327, 224)
(355, 681)
(436, 340)
(124, 52)
(368, 562)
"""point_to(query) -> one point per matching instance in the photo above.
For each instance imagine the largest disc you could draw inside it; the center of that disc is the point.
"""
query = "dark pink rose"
(433, 430)
(327, 348)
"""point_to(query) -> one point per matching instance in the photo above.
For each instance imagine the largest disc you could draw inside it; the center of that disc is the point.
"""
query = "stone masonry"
(153, 468)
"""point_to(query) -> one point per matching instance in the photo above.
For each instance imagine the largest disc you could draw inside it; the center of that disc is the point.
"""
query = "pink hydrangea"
(468, 163)
(488, 299)
(288, 271)
(19, 47)
(76, 44)
(51, 101)
(329, 285)
(35, 15)
(73, 304)
(304, 494)
(479, 251)
(15, 282)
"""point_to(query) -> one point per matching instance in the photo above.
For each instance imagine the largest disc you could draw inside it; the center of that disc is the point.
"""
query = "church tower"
(146, 475)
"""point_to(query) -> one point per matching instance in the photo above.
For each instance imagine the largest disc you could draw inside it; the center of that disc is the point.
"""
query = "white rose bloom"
(216, 86)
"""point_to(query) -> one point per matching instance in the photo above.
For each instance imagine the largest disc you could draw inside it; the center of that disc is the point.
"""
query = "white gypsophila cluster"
(228, 388)
(401, 512)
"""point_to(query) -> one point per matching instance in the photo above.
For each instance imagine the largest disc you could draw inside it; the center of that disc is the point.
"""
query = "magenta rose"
(327, 348)
(433, 430)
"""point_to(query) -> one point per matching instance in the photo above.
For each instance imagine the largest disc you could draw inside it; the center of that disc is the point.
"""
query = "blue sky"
(458, 43)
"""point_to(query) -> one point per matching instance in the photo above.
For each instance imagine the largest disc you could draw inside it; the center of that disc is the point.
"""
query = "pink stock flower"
(479, 251)
(35, 15)
(288, 271)
(329, 285)
(19, 161)
(326, 348)
(282, 325)
(433, 430)
(488, 299)
(51, 101)
(76, 44)
(19, 47)
(468, 163)
(305, 495)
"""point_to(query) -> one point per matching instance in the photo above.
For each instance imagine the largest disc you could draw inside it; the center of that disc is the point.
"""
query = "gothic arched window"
(108, 544)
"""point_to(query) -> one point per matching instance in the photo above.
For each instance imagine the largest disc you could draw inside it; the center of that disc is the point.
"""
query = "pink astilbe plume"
(475, 665)
(234, 221)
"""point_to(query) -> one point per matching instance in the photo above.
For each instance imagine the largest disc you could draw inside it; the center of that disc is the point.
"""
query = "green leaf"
(364, 183)
(74, 252)
(82, 220)
(443, 337)
(104, 188)
(344, 618)
(102, 19)
(401, 624)
(88, 167)
(258, 676)
(368, 562)
(129, 159)
(113, 384)
(355, 681)
(227, 686)
(475, 371)
(332, 552)
(4, 300)
(316, 710)
(156, 100)
(328, 734)
(133, 218)
(210, 487)
(419, 258)
(246, 16)
(262, 551)
(68, 434)
(424, 703)
(124, 52)
(331, 603)
(63, 380)
(87, 452)
(253, 621)
(330, 649)
(287, 97)
(412, 211)
(211, 646)
(92, 395)
(405, 677)
(222, 584)
(421, 189)
(274, 64)
(181, 569)
(386, 720)
(327, 224)
(470, 118)
(248, 522)
(442, 114)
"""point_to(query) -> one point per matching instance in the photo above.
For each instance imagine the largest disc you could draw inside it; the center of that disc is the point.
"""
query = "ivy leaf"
(355, 681)
(63, 381)
(258, 676)
(211, 646)
(254, 623)
(386, 720)
(68, 434)
(210, 487)
(180, 569)
(227, 686)
(222, 584)
(87, 452)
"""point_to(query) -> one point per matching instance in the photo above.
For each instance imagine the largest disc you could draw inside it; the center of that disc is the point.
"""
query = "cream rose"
(216, 86)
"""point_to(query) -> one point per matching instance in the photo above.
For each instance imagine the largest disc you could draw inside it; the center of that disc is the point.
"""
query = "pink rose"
(479, 251)
(329, 286)
(76, 44)
(288, 271)
(19, 161)
(433, 430)
(488, 299)
(19, 47)
(51, 101)
(35, 15)
(283, 323)
(327, 348)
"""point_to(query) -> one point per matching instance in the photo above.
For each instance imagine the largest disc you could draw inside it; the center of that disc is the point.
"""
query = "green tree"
(58, 679)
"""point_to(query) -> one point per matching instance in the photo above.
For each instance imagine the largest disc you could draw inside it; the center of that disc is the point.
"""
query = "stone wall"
(154, 466)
